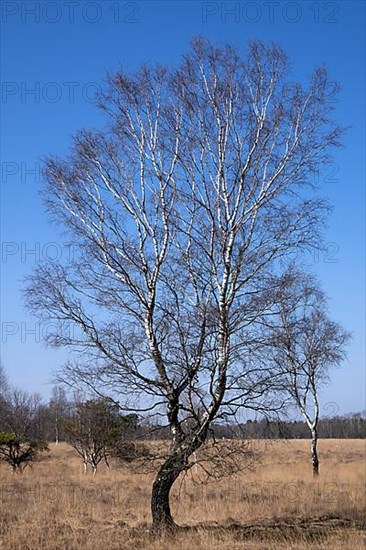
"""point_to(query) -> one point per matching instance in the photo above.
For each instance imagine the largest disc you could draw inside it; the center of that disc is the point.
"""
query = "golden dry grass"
(276, 505)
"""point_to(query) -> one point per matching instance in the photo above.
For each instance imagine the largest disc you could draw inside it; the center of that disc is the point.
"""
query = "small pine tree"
(19, 452)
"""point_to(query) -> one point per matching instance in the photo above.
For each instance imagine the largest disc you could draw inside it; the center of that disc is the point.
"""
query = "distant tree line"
(26, 415)
(351, 426)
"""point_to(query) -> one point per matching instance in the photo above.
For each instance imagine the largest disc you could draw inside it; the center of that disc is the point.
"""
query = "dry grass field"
(275, 505)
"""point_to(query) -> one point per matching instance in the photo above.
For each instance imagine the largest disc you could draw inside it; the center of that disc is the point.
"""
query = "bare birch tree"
(305, 345)
(94, 430)
(58, 410)
(4, 384)
(20, 413)
(179, 210)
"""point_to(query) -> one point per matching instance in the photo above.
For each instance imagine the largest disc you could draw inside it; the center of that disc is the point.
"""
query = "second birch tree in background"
(304, 344)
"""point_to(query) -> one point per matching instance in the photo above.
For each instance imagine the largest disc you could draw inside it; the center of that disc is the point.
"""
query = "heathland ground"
(273, 503)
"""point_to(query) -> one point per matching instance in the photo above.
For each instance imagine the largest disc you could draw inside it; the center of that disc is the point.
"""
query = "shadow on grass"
(281, 529)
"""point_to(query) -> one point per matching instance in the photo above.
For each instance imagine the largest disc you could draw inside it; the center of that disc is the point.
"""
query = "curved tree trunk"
(162, 520)
(168, 473)
(314, 452)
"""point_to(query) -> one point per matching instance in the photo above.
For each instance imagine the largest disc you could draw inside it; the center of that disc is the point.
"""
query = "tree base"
(164, 529)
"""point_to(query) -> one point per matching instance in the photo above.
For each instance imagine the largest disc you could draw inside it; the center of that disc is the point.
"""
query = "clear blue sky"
(54, 54)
